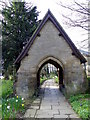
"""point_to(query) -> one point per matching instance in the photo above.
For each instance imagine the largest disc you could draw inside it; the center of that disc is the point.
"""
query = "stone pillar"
(75, 79)
(26, 84)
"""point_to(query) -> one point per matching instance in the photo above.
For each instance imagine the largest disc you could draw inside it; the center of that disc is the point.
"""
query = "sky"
(76, 34)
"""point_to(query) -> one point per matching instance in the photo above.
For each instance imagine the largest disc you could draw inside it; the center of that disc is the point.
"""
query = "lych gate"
(50, 44)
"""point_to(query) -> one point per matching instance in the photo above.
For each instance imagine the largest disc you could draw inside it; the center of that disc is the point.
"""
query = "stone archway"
(54, 62)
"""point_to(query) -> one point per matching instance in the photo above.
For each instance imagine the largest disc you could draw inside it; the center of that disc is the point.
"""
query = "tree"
(18, 24)
(79, 15)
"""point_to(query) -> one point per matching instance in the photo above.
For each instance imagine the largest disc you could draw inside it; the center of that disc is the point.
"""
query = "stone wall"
(88, 65)
(50, 45)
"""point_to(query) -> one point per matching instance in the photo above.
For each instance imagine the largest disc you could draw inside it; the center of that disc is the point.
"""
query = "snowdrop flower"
(16, 100)
(22, 98)
(7, 100)
(8, 107)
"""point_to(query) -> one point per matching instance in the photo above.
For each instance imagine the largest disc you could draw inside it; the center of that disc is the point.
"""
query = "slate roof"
(50, 16)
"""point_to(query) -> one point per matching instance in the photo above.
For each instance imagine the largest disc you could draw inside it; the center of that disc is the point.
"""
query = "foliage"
(11, 106)
(88, 78)
(0, 108)
(45, 71)
(18, 24)
(56, 79)
(42, 80)
(49, 76)
(80, 103)
(6, 88)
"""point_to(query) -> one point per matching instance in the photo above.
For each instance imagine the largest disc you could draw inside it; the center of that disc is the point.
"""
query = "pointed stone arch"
(45, 59)
(57, 63)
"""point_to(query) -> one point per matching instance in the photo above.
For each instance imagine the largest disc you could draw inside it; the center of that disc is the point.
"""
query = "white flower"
(7, 100)
(22, 98)
(16, 100)
(8, 107)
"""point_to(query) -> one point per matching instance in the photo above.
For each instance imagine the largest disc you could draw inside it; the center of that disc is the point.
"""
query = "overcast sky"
(76, 34)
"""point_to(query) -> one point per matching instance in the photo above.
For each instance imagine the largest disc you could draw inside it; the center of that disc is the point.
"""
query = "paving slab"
(46, 107)
(36, 101)
(30, 113)
(59, 107)
(34, 107)
(47, 112)
(74, 116)
(67, 111)
(61, 116)
(44, 116)
(50, 104)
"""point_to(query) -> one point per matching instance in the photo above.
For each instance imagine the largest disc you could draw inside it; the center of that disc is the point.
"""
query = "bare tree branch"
(78, 17)
(83, 8)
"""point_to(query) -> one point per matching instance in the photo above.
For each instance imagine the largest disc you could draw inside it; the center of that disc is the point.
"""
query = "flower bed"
(11, 106)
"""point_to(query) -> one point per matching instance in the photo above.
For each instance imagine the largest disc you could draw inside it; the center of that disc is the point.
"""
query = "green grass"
(6, 88)
(0, 108)
(80, 103)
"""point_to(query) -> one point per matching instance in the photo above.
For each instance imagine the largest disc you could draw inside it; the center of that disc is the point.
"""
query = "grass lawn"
(80, 103)
(6, 88)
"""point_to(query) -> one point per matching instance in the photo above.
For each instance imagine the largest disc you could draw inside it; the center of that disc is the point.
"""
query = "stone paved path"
(50, 104)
